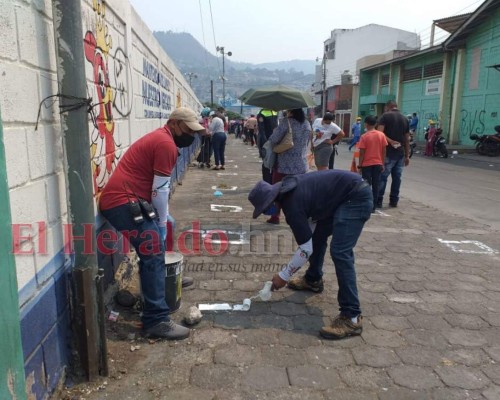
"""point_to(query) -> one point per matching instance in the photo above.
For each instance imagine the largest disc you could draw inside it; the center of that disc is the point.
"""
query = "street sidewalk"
(429, 285)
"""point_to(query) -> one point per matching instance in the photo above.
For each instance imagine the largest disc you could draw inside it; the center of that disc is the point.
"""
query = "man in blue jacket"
(317, 205)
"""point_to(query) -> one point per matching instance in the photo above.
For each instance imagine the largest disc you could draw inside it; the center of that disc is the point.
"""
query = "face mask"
(185, 140)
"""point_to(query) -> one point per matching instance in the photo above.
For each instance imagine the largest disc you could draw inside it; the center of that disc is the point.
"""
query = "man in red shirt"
(135, 202)
(372, 148)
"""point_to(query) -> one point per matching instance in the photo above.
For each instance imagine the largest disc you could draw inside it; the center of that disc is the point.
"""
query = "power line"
(203, 35)
(213, 33)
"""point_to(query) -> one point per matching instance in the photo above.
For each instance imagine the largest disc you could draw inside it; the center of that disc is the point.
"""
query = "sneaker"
(168, 330)
(222, 167)
(273, 220)
(393, 205)
(342, 327)
(300, 283)
(187, 281)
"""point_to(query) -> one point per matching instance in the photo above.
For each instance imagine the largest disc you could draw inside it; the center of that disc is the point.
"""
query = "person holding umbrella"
(293, 161)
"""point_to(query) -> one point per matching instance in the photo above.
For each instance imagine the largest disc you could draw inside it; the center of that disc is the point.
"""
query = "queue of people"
(315, 205)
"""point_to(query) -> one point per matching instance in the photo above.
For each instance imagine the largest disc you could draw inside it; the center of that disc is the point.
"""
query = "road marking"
(468, 246)
(383, 214)
(223, 189)
(222, 208)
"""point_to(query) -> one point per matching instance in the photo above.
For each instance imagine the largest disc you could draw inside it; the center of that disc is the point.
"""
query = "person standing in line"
(356, 133)
(372, 148)
(135, 203)
(292, 161)
(219, 138)
(267, 120)
(251, 127)
(331, 161)
(325, 137)
(396, 129)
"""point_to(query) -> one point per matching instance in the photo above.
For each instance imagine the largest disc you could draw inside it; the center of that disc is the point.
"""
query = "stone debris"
(193, 316)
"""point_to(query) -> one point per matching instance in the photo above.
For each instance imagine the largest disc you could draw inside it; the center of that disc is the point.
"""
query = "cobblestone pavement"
(429, 286)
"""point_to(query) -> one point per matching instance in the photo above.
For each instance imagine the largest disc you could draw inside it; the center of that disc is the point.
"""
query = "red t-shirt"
(374, 143)
(155, 151)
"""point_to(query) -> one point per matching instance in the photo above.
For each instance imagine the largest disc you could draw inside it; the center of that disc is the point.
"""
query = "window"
(384, 80)
(435, 69)
(412, 74)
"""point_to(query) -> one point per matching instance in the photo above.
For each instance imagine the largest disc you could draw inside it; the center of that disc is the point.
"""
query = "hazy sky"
(260, 31)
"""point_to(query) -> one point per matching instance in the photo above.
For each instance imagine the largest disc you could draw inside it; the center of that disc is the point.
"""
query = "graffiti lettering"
(471, 122)
(123, 98)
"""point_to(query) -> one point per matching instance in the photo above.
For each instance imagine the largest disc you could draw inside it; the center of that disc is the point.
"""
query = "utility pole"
(191, 75)
(76, 139)
(323, 101)
(211, 92)
(220, 49)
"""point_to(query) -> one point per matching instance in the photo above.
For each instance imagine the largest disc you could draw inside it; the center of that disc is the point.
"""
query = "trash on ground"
(113, 315)
(193, 316)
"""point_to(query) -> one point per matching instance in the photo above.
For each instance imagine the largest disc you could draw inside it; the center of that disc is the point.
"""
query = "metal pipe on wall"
(71, 78)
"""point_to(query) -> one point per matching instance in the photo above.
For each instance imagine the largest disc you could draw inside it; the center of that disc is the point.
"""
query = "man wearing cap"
(317, 205)
(143, 173)
(356, 133)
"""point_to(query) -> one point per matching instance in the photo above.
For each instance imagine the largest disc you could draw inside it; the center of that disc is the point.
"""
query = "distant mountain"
(191, 57)
(305, 66)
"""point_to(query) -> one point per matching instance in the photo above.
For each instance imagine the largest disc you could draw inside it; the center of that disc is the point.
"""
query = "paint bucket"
(173, 280)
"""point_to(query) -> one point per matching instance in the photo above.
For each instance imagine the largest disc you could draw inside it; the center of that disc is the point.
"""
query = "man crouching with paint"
(135, 202)
(317, 205)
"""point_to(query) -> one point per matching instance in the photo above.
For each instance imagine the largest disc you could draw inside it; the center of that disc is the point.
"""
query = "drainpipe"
(79, 185)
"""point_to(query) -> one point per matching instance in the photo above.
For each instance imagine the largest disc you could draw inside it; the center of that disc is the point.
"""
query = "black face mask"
(185, 140)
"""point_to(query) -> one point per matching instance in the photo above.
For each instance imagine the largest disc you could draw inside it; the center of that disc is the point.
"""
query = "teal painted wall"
(480, 108)
(12, 384)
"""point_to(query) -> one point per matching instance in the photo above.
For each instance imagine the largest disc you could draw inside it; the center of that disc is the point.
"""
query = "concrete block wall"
(141, 87)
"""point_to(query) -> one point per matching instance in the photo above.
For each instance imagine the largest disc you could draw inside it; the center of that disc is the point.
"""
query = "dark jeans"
(353, 142)
(393, 167)
(331, 161)
(371, 174)
(145, 237)
(345, 228)
(219, 145)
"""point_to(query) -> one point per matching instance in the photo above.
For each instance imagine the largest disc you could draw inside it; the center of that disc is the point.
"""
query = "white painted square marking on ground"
(222, 208)
(468, 246)
(224, 189)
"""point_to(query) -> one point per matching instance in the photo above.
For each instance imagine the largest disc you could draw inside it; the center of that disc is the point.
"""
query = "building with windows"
(456, 83)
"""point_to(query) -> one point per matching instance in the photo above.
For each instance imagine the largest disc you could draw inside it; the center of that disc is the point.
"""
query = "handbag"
(286, 143)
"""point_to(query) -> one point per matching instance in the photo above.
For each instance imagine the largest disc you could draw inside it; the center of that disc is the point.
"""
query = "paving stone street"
(429, 285)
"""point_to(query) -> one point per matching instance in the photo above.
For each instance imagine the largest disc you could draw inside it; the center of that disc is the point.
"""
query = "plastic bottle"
(265, 293)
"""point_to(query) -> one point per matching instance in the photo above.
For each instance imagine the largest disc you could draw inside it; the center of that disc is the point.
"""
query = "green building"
(456, 83)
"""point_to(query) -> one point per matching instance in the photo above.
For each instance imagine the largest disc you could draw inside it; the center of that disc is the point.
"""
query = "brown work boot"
(342, 327)
(300, 283)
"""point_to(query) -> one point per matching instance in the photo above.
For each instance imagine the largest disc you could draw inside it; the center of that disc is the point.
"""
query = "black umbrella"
(277, 98)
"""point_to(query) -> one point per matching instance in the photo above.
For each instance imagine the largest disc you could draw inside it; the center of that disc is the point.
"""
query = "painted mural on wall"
(110, 77)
